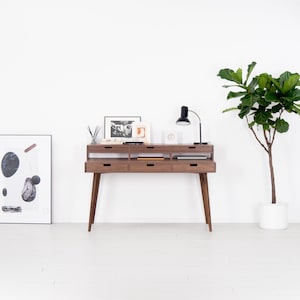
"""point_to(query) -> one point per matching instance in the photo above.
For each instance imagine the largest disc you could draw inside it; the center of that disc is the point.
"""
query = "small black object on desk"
(133, 143)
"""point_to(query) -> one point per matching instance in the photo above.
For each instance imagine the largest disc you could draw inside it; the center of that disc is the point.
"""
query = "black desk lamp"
(183, 120)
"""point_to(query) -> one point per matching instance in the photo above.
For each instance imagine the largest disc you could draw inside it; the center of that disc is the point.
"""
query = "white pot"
(273, 216)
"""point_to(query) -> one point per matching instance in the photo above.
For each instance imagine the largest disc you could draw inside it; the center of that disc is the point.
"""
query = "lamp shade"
(183, 120)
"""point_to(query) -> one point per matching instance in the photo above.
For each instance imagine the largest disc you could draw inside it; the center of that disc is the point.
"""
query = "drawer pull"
(150, 165)
(106, 165)
(192, 147)
(108, 147)
(150, 147)
(193, 165)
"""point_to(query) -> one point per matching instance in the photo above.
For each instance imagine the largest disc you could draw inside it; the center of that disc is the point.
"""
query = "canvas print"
(25, 179)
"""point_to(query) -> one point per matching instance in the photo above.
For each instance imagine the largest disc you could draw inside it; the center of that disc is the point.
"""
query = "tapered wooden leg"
(205, 196)
(94, 198)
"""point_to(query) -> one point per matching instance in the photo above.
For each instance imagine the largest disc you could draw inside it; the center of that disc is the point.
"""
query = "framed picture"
(25, 179)
(171, 137)
(119, 127)
(141, 132)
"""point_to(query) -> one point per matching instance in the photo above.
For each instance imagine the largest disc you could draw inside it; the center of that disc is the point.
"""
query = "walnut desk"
(150, 158)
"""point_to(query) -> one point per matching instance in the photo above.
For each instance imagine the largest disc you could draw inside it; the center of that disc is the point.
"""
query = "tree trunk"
(272, 173)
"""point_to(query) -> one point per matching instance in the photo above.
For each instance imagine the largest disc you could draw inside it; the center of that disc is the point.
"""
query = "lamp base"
(202, 143)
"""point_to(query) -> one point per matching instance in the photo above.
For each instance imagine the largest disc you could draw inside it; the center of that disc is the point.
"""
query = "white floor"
(149, 261)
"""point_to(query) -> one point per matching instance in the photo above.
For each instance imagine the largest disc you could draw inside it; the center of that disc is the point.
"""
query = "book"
(191, 157)
(108, 155)
(150, 158)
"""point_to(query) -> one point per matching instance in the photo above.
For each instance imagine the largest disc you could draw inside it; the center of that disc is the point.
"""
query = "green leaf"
(249, 71)
(244, 110)
(239, 74)
(260, 92)
(252, 85)
(276, 83)
(289, 81)
(230, 109)
(227, 86)
(296, 109)
(247, 100)
(235, 94)
(251, 124)
(283, 77)
(281, 125)
(276, 108)
(293, 95)
(270, 97)
(271, 122)
(261, 117)
(259, 99)
(262, 101)
(230, 75)
(263, 80)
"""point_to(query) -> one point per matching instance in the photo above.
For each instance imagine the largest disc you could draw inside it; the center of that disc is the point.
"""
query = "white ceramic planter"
(273, 216)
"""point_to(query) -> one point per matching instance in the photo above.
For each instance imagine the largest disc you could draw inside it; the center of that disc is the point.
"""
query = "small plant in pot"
(263, 102)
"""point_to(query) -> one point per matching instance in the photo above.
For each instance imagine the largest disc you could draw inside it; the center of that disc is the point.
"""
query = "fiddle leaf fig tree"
(263, 102)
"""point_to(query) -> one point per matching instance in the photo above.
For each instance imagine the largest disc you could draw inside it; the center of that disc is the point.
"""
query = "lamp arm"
(196, 115)
(199, 124)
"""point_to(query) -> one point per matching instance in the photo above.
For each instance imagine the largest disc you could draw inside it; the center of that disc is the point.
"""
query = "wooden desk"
(150, 158)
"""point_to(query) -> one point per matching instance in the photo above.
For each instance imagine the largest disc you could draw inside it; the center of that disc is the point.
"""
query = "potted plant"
(263, 102)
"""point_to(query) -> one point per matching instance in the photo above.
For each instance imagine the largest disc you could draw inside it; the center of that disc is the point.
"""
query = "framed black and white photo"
(119, 127)
(25, 179)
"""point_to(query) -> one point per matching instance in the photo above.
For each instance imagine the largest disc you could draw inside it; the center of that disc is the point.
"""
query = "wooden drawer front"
(106, 166)
(107, 148)
(192, 148)
(149, 149)
(150, 166)
(194, 166)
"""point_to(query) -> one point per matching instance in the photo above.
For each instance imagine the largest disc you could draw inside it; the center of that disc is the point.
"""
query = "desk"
(150, 158)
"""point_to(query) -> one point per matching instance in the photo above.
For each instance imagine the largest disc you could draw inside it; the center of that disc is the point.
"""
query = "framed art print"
(25, 179)
(119, 127)
(141, 132)
(170, 137)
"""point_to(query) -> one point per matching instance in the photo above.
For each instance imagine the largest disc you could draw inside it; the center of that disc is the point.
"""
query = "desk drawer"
(150, 166)
(194, 166)
(106, 166)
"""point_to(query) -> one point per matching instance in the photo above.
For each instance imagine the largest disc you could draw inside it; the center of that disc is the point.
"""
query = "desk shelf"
(132, 151)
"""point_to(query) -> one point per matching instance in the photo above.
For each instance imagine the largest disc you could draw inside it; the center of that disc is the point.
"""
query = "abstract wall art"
(25, 178)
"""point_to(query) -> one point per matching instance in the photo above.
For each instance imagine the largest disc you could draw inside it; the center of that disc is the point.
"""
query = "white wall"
(66, 64)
